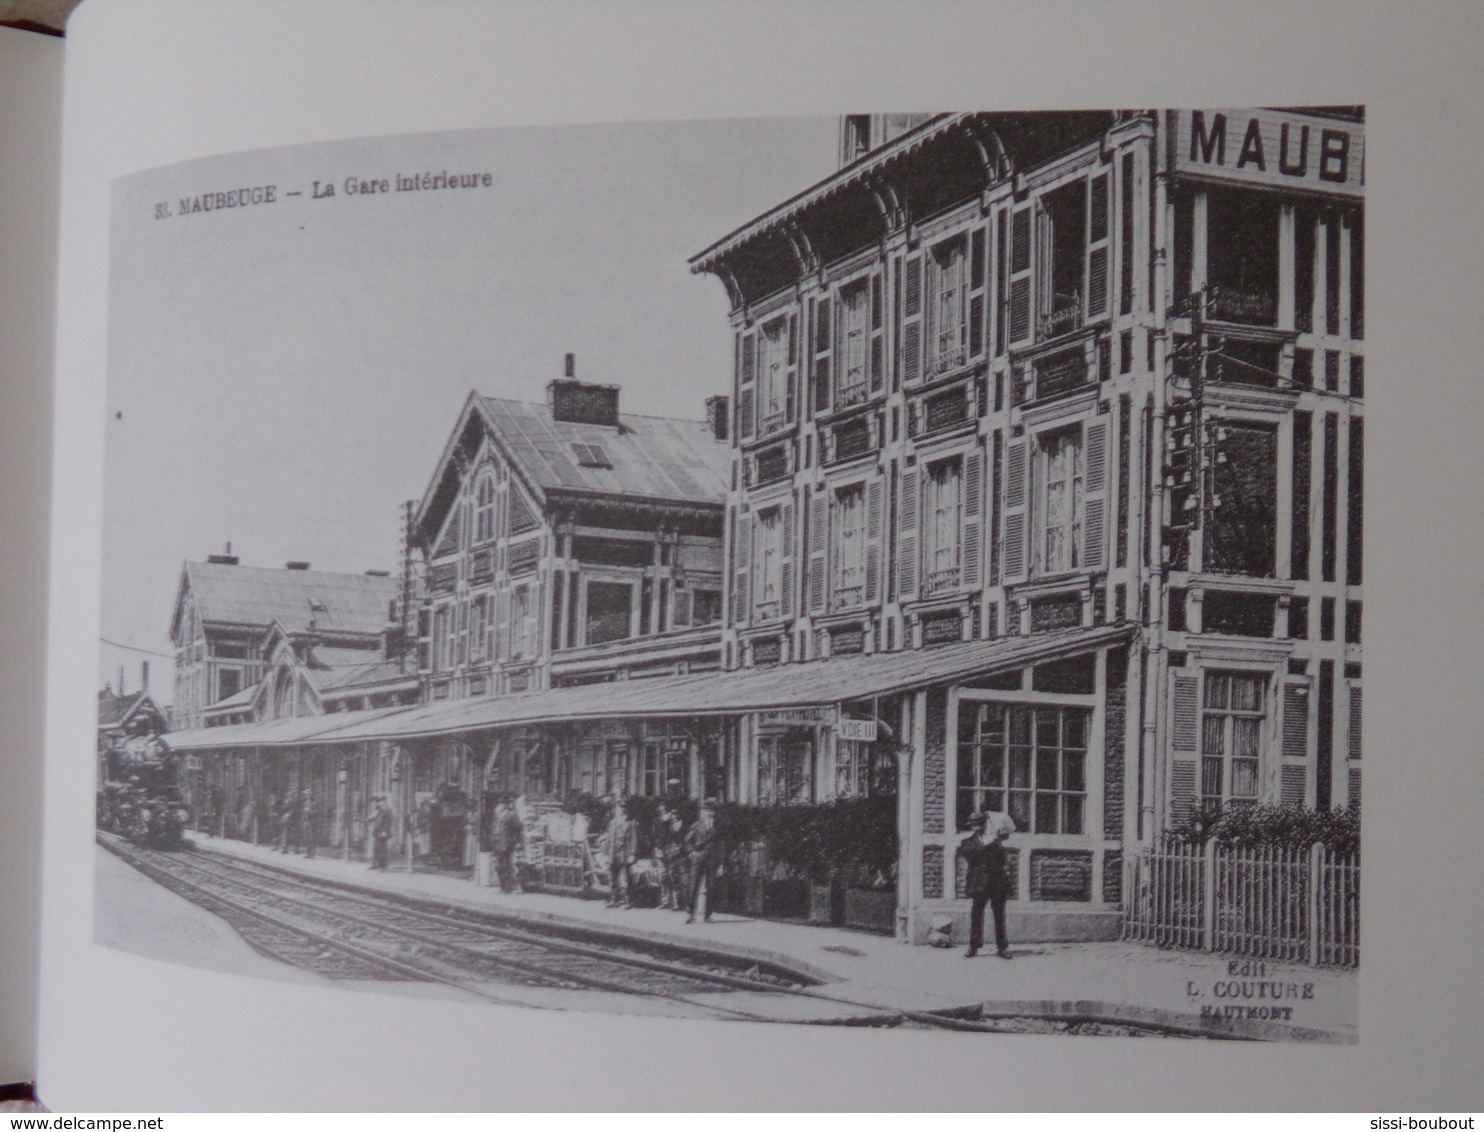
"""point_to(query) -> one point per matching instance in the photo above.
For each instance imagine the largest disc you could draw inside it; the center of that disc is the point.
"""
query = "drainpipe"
(1154, 660)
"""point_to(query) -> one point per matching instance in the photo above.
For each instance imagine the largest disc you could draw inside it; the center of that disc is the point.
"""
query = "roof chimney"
(296, 565)
(144, 675)
(579, 402)
(571, 367)
(716, 415)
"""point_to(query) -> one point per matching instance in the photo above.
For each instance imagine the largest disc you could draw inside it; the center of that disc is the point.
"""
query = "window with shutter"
(774, 365)
(1094, 530)
(848, 548)
(973, 521)
(819, 542)
(854, 344)
(1294, 786)
(767, 565)
(786, 561)
(1184, 727)
(1354, 733)
(947, 331)
(910, 365)
(822, 349)
(875, 493)
(907, 508)
(680, 609)
(1019, 314)
(746, 384)
(978, 278)
(1233, 716)
(1295, 721)
(878, 336)
(1014, 538)
(1097, 246)
(1060, 489)
(741, 571)
(942, 527)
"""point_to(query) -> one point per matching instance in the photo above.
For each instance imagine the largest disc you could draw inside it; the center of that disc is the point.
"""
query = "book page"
(493, 474)
(30, 117)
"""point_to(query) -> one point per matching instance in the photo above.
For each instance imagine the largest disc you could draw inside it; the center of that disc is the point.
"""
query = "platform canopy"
(814, 683)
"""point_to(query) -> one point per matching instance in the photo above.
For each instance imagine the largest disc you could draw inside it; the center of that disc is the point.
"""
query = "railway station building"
(1037, 489)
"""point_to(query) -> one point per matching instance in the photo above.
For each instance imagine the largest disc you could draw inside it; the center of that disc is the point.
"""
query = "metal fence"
(1302, 905)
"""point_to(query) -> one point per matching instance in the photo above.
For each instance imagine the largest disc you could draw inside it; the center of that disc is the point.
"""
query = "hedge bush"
(852, 839)
(1287, 827)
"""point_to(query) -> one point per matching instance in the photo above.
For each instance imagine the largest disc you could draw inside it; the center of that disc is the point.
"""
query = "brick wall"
(935, 762)
(1114, 760)
(932, 872)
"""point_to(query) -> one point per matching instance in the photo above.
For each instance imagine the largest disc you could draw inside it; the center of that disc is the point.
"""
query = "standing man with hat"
(988, 880)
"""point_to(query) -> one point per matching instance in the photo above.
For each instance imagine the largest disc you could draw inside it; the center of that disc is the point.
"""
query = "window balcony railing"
(848, 395)
(775, 422)
(948, 358)
(941, 581)
(1064, 316)
(1227, 304)
(847, 597)
(767, 610)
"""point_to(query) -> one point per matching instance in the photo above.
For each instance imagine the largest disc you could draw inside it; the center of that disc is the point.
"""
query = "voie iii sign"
(1269, 147)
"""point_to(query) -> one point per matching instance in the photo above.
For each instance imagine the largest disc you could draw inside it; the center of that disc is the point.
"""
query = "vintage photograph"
(896, 570)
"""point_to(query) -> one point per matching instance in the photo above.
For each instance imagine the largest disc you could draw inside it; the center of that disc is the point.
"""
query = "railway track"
(348, 934)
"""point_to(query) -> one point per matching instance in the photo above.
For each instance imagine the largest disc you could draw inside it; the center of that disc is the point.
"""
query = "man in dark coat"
(621, 839)
(381, 834)
(988, 882)
(507, 835)
(700, 848)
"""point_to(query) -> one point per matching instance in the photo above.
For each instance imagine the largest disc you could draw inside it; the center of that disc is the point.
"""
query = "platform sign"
(1270, 147)
(858, 730)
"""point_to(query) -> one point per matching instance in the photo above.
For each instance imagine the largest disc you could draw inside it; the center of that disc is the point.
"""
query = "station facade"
(1037, 490)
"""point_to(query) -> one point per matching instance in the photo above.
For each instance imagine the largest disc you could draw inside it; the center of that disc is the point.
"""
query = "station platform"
(1113, 981)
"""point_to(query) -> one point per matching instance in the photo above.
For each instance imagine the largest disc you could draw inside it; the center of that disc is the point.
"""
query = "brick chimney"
(578, 402)
(716, 415)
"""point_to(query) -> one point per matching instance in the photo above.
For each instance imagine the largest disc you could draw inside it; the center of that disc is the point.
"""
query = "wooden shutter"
(1353, 793)
(819, 519)
(786, 572)
(1017, 513)
(911, 364)
(907, 509)
(874, 356)
(1295, 721)
(971, 543)
(1185, 713)
(977, 289)
(1355, 730)
(874, 496)
(680, 609)
(1095, 495)
(791, 381)
(741, 571)
(746, 389)
(1020, 276)
(1097, 246)
(1294, 786)
(822, 346)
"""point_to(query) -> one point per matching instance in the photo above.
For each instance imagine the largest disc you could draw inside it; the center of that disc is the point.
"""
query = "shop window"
(863, 770)
(1242, 257)
(1029, 761)
(1242, 531)
(609, 611)
(1232, 720)
(785, 769)
(664, 768)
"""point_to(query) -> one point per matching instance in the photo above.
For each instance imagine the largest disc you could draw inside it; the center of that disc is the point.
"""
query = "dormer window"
(591, 456)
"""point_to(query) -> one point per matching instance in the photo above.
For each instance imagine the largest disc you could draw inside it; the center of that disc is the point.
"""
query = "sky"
(282, 376)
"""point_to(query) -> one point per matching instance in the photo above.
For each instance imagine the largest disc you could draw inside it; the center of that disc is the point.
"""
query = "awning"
(814, 683)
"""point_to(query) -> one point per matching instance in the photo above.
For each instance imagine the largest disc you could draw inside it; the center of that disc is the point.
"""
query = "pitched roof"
(114, 710)
(651, 457)
(255, 595)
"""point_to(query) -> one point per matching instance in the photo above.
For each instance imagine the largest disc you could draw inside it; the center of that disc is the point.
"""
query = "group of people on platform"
(684, 855)
(297, 822)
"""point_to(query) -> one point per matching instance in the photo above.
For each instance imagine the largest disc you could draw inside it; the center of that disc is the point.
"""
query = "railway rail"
(346, 933)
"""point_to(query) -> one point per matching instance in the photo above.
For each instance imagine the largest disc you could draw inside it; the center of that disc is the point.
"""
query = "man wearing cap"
(988, 881)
